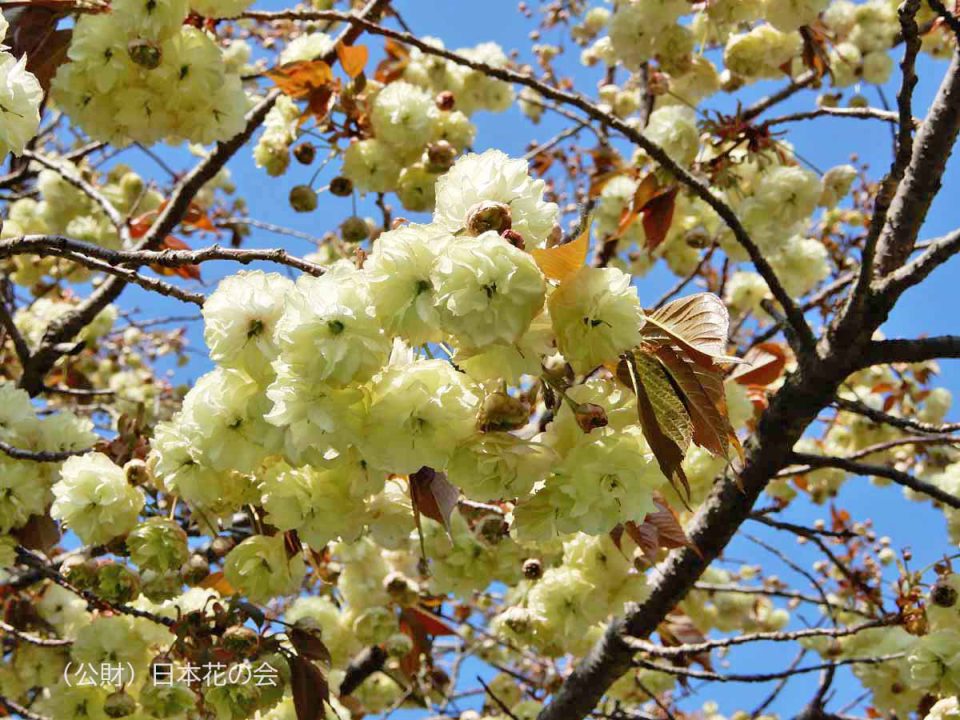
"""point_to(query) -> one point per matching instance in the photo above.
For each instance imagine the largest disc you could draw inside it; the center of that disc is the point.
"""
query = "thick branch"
(922, 179)
(916, 350)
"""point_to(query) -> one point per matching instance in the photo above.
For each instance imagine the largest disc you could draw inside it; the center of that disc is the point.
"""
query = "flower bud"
(117, 583)
(398, 645)
(221, 545)
(439, 156)
(303, 199)
(943, 594)
(82, 573)
(590, 417)
(145, 53)
(341, 186)
(401, 589)
(514, 238)
(488, 215)
(305, 153)
(502, 411)
(195, 569)
(137, 472)
(355, 229)
(532, 569)
(241, 641)
(119, 705)
(446, 101)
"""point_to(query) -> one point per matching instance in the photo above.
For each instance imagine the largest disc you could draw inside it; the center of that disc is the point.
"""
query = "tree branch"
(697, 186)
(765, 677)
(867, 470)
(878, 416)
(882, 352)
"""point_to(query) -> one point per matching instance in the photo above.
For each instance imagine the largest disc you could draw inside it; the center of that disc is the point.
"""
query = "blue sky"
(825, 143)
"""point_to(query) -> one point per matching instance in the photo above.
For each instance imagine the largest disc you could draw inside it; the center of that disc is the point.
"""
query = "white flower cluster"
(318, 396)
(20, 98)
(25, 486)
(139, 74)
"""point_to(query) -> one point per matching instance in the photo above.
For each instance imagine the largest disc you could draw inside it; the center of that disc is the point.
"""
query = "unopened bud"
(355, 229)
(446, 100)
(590, 417)
(221, 545)
(341, 186)
(119, 705)
(137, 472)
(195, 570)
(439, 156)
(488, 215)
(241, 641)
(943, 594)
(305, 153)
(401, 589)
(502, 411)
(145, 53)
(303, 199)
(514, 238)
(532, 569)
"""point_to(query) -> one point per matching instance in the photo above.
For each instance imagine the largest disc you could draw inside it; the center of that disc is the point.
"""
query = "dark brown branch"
(915, 350)
(867, 470)
(368, 662)
(878, 416)
(765, 677)
(43, 456)
(782, 636)
(66, 247)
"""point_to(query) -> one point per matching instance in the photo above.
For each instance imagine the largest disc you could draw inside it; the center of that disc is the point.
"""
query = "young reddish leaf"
(433, 496)
(198, 219)
(391, 68)
(560, 262)
(698, 323)
(658, 217)
(140, 225)
(40, 533)
(702, 393)
(309, 645)
(187, 272)
(353, 58)
(300, 79)
(431, 624)
(310, 689)
(217, 581)
(762, 365)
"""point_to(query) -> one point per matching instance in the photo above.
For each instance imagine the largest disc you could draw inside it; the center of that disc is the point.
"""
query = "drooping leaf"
(309, 645)
(432, 624)
(678, 629)
(645, 191)
(310, 689)
(762, 365)
(40, 533)
(301, 78)
(663, 419)
(560, 262)
(659, 529)
(702, 394)
(432, 495)
(698, 323)
(658, 217)
(353, 58)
